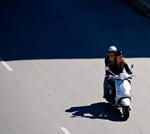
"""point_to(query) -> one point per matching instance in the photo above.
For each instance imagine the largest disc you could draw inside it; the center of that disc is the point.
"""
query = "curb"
(142, 6)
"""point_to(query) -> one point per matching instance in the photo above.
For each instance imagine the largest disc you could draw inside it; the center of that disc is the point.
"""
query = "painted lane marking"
(5, 65)
(65, 130)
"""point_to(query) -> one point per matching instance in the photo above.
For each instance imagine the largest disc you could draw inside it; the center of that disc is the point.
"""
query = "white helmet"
(112, 49)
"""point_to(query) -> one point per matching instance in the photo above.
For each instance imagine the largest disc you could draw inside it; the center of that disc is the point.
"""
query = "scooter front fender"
(126, 102)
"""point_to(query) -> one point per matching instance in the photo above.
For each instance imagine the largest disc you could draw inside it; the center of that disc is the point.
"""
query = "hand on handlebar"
(110, 76)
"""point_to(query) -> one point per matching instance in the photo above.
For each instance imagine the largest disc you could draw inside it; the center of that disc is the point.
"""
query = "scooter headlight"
(122, 76)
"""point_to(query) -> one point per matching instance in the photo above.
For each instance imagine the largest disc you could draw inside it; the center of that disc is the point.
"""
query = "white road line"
(5, 65)
(65, 130)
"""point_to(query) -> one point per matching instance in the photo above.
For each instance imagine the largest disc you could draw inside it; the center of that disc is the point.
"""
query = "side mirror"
(132, 66)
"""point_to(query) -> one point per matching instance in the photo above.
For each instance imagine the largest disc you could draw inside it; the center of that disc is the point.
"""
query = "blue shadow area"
(60, 29)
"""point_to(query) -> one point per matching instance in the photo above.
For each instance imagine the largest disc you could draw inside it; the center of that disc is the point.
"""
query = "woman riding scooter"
(118, 67)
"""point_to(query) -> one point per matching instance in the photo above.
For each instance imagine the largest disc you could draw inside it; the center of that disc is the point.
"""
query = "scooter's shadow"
(100, 110)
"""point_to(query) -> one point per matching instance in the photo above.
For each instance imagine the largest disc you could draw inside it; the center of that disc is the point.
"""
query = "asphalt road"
(52, 67)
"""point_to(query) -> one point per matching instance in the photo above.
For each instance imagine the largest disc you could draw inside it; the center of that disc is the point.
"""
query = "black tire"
(125, 113)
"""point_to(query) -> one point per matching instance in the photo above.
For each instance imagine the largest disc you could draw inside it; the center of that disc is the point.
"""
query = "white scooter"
(122, 92)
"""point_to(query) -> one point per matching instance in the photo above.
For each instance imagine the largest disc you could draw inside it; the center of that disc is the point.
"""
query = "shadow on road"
(66, 29)
(100, 110)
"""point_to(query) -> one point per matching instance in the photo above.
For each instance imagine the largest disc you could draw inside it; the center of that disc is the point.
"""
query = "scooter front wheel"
(125, 112)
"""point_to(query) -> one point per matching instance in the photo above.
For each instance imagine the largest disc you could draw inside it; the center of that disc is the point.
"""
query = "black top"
(107, 61)
(115, 68)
